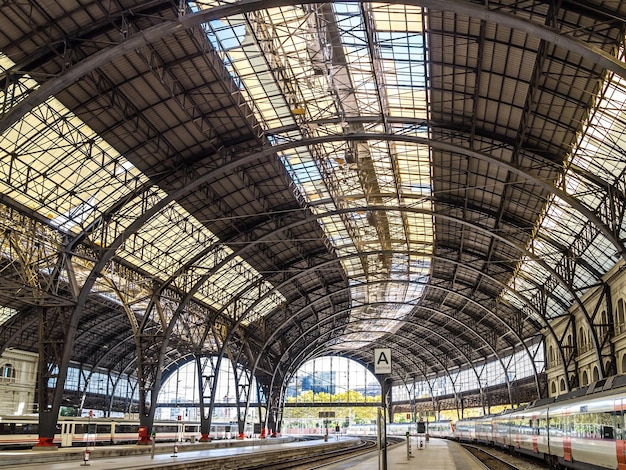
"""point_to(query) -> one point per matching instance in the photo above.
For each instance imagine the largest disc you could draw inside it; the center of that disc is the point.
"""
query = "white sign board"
(382, 361)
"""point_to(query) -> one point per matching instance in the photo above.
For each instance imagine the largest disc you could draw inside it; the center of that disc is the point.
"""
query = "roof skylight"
(316, 70)
(57, 166)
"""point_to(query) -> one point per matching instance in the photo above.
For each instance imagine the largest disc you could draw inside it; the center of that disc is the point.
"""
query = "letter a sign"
(382, 361)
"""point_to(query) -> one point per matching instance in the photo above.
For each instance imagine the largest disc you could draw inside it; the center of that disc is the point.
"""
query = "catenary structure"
(269, 182)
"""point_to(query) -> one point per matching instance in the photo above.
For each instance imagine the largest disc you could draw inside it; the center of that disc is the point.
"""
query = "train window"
(607, 432)
(619, 424)
(19, 428)
(165, 428)
(80, 428)
(554, 424)
(7, 428)
(127, 428)
(595, 425)
(606, 424)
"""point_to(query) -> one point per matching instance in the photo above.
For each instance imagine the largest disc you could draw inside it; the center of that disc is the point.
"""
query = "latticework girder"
(273, 181)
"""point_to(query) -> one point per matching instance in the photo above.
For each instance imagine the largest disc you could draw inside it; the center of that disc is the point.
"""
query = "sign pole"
(382, 367)
(383, 426)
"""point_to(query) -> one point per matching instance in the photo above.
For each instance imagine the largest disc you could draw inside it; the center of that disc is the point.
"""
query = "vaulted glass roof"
(315, 72)
(443, 178)
(54, 164)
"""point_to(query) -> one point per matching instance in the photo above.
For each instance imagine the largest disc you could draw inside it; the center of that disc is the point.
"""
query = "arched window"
(620, 315)
(596, 375)
(551, 354)
(582, 339)
(585, 378)
(553, 388)
(562, 387)
(8, 372)
(624, 364)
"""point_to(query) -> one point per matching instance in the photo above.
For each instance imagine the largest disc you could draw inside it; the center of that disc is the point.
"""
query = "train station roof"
(285, 180)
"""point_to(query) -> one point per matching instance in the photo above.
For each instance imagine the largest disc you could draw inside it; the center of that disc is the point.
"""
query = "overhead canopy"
(438, 177)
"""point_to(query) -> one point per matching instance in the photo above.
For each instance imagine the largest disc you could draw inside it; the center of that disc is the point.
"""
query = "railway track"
(495, 460)
(324, 458)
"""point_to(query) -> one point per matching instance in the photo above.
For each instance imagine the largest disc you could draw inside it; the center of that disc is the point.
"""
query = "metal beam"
(169, 28)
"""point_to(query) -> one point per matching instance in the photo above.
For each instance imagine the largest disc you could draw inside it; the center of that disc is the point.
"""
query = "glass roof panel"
(6, 314)
(318, 66)
(598, 152)
(56, 165)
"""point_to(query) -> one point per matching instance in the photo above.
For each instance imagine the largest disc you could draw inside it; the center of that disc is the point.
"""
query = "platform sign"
(382, 361)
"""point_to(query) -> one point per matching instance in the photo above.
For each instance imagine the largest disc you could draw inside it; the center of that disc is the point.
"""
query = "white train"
(583, 430)
(442, 428)
(23, 431)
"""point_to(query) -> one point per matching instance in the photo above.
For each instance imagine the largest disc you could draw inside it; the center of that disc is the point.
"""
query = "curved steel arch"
(277, 331)
(112, 350)
(169, 370)
(320, 348)
(474, 10)
(490, 234)
(449, 147)
(409, 322)
(504, 286)
(168, 28)
(510, 329)
(436, 312)
(572, 201)
(469, 267)
(23, 326)
(109, 253)
(134, 226)
(496, 355)
(416, 305)
(485, 230)
(365, 136)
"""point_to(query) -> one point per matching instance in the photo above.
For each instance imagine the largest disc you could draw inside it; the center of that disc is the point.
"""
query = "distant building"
(18, 379)
(317, 383)
(372, 389)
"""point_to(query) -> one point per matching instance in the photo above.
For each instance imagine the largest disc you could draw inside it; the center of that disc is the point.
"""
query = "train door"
(620, 434)
(180, 431)
(67, 433)
(568, 421)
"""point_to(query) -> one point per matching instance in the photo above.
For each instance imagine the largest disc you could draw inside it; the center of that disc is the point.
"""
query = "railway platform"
(214, 455)
(436, 454)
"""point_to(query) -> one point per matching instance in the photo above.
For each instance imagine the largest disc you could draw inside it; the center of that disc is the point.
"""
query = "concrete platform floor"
(436, 454)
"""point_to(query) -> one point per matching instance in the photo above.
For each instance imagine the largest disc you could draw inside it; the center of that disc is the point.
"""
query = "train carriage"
(588, 430)
(583, 430)
(484, 430)
(441, 428)
(465, 430)
(23, 431)
(527, 429)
